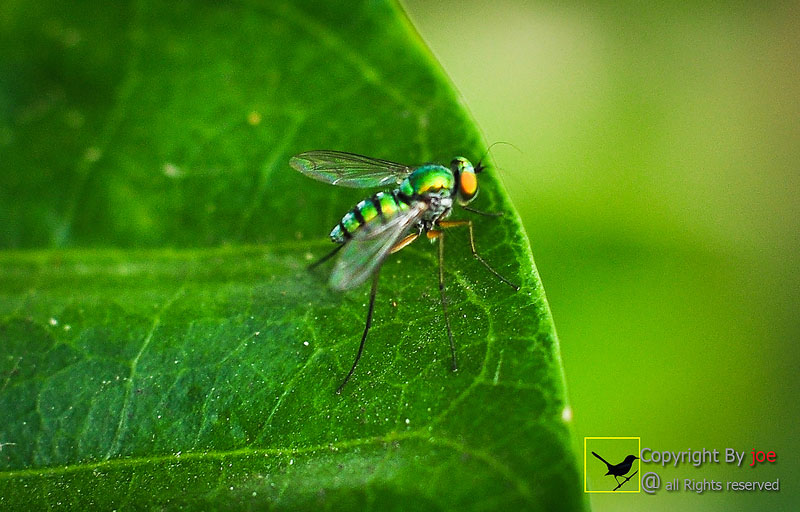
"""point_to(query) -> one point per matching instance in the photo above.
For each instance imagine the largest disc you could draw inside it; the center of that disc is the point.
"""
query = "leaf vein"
(121, 425)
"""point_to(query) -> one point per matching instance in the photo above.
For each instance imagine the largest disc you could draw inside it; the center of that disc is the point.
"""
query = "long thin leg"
(458, 223)
(371, 308)
(325, 258)
(440, 236)
(479, 212)
(404, 242)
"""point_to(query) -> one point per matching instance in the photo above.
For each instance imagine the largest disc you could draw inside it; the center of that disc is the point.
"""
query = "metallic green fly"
(388, 221)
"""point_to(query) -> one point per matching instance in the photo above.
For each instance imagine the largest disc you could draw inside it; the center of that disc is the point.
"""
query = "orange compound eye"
(468, 184)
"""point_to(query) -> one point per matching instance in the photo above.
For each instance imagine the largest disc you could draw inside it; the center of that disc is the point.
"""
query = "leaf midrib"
(420, 434)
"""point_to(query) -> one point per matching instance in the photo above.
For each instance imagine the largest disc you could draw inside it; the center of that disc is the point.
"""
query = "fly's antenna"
(480, 167)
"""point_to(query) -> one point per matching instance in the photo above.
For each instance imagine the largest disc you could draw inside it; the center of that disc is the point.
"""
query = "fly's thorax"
(466, 179)
(379, 208)
(429, 179)
(439, 207)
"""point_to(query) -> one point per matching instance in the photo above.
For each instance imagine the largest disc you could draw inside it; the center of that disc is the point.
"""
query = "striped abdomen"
(379, 208)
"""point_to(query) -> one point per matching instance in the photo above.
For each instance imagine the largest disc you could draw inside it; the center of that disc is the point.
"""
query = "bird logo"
(618, 470)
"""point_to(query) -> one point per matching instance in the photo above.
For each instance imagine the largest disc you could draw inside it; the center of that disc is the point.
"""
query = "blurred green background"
(658, 181)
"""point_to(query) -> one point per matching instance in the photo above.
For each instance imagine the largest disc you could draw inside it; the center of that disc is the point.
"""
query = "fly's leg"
(440, 235)
(402, 243)
(326, 257)
(459, 223)
(479, 212)
(371, 308)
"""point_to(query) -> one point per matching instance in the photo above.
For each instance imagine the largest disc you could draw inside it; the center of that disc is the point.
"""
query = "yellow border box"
(586, 478)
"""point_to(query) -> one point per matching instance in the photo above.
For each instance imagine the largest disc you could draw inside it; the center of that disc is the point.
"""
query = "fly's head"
(466, 179)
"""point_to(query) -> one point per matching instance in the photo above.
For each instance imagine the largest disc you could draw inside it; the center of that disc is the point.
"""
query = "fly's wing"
(349, 169)
(365, 252)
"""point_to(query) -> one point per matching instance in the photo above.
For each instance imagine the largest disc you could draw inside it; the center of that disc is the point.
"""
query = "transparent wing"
(349, 169)
(365, 252)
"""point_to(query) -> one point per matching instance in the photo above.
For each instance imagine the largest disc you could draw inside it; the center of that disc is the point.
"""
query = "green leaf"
(163, 344)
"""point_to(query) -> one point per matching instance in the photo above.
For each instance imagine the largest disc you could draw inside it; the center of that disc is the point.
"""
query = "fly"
(388, 221)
